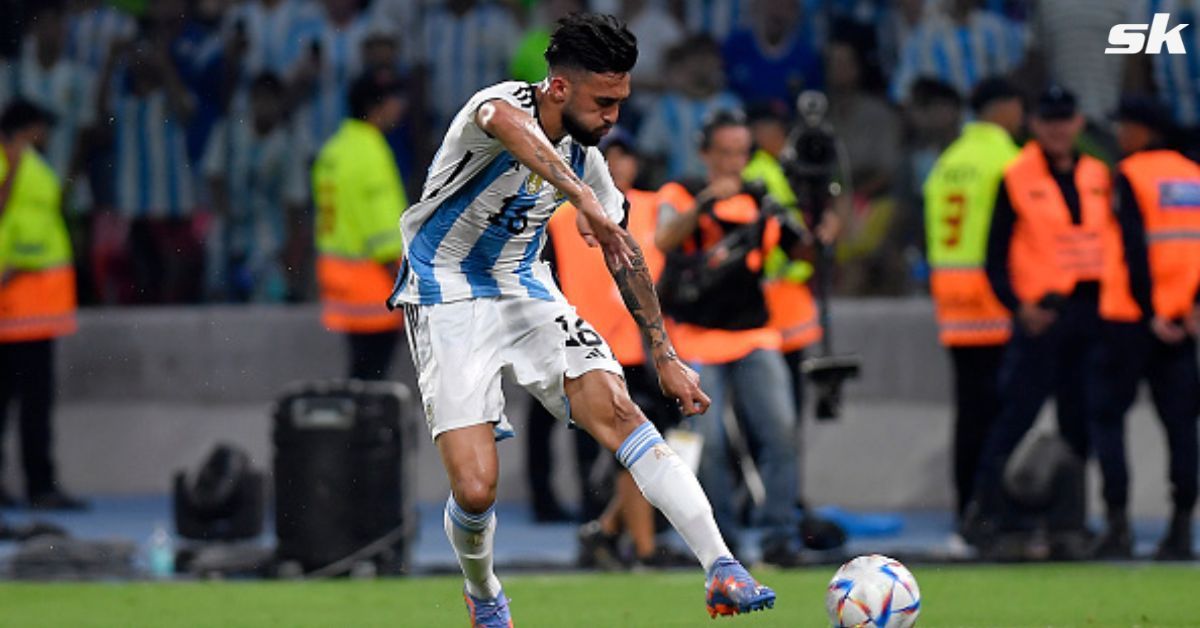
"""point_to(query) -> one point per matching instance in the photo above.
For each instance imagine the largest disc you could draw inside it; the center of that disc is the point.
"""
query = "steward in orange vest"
(1149, 304)
(1050, 229)
(587, 283)
(716, 236)
(37, 295)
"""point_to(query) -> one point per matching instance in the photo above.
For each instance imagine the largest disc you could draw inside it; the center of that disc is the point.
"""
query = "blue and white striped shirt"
(67, 89)
(341, 62)
(152, 171)
(672, 129)
(959, 55)
(464, 52)
(276, 36)
(92, 33)
(479, 228)
(1176, 77)
(716, 18)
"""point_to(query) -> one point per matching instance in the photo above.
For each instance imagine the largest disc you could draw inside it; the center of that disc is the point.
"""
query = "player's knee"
(474, 495)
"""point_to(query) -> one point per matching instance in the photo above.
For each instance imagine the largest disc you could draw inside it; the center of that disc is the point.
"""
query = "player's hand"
(678, 381)
(598, 230)
(1167, 331)
(1035, 318)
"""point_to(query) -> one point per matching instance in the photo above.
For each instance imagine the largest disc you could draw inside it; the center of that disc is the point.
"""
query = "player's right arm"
(523, 138)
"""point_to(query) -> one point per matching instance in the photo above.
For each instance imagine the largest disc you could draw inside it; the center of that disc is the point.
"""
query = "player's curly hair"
(593, 42)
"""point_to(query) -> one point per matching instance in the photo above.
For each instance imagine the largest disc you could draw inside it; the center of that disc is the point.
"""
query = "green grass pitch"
(1045, 595)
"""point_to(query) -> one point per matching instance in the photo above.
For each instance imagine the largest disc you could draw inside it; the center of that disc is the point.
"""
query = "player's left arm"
(632, 276)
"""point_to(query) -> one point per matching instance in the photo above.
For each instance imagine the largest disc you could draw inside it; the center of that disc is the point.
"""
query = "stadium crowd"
(186, 133)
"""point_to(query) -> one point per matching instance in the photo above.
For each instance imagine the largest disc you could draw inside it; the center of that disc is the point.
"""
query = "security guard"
(1045, 258)
(959, 196)
(1149, 305)
(359, 198)
(37, 295)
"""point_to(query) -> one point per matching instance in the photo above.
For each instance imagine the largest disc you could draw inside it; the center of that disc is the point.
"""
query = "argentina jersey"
(480, 225)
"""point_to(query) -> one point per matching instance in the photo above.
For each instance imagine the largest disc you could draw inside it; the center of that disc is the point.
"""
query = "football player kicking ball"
(478, 301)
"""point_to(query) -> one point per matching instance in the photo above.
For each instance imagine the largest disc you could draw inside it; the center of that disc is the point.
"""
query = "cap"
(1056, 103)
(1144, 110)
(618, 136)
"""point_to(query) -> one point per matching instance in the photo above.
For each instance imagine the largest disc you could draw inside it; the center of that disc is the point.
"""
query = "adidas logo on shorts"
(594, 353)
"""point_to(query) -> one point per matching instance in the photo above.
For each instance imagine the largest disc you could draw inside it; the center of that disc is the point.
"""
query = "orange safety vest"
(1049, 253)
(589, 286)
(968, 312)
(37, 304)
(353, 293)
(719, 346)
(793, 313)
(1166, 186)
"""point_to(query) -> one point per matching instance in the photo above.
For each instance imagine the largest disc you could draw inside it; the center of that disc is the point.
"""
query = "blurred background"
(183, 142)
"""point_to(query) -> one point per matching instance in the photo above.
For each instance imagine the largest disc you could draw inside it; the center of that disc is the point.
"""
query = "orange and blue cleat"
(731, 590)
(488, 613)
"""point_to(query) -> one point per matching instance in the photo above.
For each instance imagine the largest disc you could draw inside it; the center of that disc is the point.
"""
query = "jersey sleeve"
(596, 176)
(515, 93)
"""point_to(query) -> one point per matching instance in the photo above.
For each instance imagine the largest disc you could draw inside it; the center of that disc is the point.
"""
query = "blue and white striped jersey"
(479, 228)
(340, 63)
(93, 32)
(672, 127)
(67, 89)
(959, 55)
(276, 35)
(152, 170)
(715, 18)
(1176, 77)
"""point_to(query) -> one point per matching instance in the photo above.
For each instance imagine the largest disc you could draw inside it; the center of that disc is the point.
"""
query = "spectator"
(714, 18)
(468, 43)
(869, 260)
(719, 222)
(696, 90)
(1173, 78)
(272, 33)
(149, 108)
(773, 58)
(255, 168)
(203, 60)
(894, 29)
(657, 31)
(1066, 34)
(324, 68)
(45, 76)
(95, 29)
(960, 47)
(37, 297)
(359, 197)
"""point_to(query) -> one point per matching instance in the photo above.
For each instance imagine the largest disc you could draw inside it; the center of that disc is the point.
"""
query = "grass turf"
(1044, 595)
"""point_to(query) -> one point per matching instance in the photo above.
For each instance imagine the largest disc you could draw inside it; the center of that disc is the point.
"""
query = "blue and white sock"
(472, 537)
(672, 487)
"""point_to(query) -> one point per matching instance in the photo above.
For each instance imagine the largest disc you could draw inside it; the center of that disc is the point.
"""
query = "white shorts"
(460, 349)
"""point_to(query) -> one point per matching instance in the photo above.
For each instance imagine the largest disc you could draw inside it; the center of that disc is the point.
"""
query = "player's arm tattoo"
(637, 291)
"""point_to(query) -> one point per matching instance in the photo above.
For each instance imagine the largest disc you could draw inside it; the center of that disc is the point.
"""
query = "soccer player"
(478, 302)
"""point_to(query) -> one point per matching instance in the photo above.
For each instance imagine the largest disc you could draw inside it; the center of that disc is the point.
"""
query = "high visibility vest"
(359, 198)
(37, 280)
(1166, 186)
(1049, 253)
(707, 345)
(789, 301)
(587, 283)
(960, 194)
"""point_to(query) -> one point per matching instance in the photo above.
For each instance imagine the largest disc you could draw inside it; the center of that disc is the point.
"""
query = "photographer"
(1045, 258)
(716, 235)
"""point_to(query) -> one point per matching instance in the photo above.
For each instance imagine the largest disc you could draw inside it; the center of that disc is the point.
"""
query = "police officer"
(1149, 305)
(959, 196)
(359, 198)
(37, 295)
(1045, 258)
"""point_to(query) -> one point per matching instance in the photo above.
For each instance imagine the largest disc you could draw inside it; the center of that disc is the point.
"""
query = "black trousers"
(1129, 354)
(371, 354)
(976, 405)
(27, 378)
(1060, 362)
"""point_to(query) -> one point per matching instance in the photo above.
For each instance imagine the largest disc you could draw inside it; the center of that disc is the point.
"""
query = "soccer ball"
(874, 591)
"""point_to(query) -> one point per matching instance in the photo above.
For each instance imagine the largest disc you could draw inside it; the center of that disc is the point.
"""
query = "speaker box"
(341, 489)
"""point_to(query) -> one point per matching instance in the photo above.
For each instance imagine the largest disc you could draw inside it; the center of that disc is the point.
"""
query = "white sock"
(471, 536)
(672, 487)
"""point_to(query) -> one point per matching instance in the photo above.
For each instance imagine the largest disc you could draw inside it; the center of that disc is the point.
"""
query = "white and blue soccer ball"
(874, 591)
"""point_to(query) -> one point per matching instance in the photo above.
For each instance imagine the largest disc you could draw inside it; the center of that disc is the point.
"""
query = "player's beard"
(580, 133)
